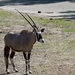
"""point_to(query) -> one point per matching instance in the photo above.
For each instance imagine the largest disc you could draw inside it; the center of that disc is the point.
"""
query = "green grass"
(8, 18)
(63, 22)
(43, 21)
(3, 14)
(58, 49)
(66, 25)
(69, 30)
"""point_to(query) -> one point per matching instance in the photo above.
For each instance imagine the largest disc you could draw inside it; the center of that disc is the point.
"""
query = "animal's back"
(22, 41)
(9, 37)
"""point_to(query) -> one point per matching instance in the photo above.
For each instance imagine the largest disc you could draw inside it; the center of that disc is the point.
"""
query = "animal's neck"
(35, 36)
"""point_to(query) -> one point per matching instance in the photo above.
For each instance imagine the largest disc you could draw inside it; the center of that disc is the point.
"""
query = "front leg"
(27, 61)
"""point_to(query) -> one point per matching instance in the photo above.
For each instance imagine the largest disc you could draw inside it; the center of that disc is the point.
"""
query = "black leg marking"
(12, 54)
(11, 59)
(27, 60)
(29, 56)
(26, 56)
(6, 55)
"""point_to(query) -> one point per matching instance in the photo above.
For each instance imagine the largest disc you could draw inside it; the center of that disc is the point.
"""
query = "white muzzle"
(41, 40)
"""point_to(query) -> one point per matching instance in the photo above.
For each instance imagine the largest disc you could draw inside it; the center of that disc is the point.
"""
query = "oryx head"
(35, 28)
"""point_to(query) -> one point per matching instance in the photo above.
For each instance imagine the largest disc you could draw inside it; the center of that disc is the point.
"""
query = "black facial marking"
(39, 36)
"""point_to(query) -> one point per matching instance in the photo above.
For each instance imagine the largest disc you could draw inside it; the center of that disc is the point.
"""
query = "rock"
(39, 11)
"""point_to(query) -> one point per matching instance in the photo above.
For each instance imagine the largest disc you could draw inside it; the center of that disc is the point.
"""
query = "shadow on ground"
(28, 2)
(66, 15)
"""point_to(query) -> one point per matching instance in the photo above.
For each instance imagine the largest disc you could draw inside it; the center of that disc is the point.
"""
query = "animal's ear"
(42, 30)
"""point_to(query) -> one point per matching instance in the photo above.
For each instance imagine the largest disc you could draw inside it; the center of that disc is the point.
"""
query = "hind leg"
(6, 55)
(11, 59)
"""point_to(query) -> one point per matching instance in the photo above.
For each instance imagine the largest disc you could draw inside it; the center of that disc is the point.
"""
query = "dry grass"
(55, 57)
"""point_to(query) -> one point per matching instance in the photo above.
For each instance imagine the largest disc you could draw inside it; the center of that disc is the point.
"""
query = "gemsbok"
(22, 42)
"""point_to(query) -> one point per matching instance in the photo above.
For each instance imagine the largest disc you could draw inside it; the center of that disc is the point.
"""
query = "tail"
(6, 51)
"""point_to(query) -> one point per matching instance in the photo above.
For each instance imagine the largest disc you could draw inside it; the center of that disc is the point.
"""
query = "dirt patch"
(55, 57)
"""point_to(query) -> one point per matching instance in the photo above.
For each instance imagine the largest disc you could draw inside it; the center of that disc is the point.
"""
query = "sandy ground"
(55, 57)
(64, 9)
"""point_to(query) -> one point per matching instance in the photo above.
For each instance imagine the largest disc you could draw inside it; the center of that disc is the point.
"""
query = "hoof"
(16, 71)
(27, 73)
(30, 72)
(8, 72)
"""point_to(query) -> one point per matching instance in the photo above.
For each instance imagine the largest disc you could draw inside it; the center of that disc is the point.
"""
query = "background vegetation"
(55, 57)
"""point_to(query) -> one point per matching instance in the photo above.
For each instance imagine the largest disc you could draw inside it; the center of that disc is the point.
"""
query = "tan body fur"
(20, 42)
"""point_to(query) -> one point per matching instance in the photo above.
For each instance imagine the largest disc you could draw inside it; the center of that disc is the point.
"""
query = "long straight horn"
(24, 18)
(32, 21)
